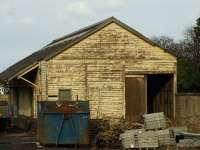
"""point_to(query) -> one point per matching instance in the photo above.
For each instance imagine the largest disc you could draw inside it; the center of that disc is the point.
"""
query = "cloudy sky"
(27, 25)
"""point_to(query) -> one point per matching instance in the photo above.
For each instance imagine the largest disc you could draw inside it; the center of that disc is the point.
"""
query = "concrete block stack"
(157, 122)
(154, 121)
(154, 133)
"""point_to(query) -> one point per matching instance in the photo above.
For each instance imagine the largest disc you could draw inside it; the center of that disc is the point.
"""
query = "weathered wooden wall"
(96, 67)
(4, 97)
(188, 110)
(187, 104)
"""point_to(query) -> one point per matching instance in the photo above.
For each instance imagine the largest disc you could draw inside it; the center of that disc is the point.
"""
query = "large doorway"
(22, 94)
(160, 94)
(135, 95)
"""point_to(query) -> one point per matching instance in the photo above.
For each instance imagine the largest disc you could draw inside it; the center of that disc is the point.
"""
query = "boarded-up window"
(65, 95)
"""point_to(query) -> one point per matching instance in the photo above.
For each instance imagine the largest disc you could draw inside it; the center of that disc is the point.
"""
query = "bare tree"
(188, 52)
(169, 44)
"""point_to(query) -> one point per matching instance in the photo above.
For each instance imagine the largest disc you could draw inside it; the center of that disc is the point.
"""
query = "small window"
(65, 95)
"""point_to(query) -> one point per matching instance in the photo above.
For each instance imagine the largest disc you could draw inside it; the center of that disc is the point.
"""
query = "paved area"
(25, 141)
(19, 140)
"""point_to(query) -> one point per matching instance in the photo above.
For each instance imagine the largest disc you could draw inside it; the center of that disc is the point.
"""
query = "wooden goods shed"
(122, 73)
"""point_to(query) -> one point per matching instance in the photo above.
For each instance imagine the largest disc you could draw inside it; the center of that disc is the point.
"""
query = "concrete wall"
(188, 110)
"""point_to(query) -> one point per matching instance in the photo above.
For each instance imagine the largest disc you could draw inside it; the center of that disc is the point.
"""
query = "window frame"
(65, 99)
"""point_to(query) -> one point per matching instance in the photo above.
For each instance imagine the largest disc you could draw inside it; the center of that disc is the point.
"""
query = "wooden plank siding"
(188, 111)
(95, 69)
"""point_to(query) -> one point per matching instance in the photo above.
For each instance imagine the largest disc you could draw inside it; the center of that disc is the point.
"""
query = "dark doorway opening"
(160, 94)
(22, 94)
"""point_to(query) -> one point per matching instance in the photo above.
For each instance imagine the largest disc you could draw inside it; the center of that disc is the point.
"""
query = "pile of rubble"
(108, 135)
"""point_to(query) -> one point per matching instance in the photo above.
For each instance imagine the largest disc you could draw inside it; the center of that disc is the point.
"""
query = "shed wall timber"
(4, 97)
(43, 79)
(188, 110)
(95, 68)
(37, 95)
(187, 104)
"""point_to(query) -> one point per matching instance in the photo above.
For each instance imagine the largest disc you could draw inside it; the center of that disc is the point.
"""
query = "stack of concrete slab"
(165, 137)
(154, 121)
(130, 138)
(153, 135)
(148, 139)
(139, 138)
(156, 134)
(157, 122)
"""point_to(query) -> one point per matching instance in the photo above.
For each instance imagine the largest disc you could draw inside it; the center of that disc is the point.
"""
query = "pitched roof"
(60, 44)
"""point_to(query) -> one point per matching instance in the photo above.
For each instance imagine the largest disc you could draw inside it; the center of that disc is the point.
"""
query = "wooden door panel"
(135, 98)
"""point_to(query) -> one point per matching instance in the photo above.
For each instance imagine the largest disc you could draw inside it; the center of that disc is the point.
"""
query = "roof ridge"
(81, 30)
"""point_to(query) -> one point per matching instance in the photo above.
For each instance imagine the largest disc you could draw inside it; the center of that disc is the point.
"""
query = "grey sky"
(27, 25)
